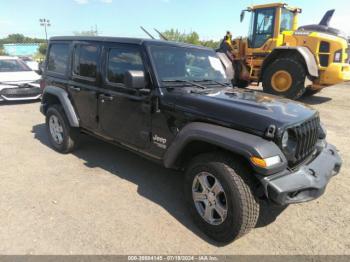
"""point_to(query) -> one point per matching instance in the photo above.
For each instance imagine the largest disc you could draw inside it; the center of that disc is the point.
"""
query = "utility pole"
(45, 23)
(95, 32)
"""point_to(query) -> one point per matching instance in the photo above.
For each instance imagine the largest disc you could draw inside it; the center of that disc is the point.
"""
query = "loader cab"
(267, 24)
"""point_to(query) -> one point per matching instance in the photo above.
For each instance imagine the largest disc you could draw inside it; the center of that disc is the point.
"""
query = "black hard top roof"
(123, 40)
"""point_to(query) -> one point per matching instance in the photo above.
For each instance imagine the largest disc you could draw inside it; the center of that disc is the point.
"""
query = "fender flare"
(304, 52)
(62, 96)
(238, 142)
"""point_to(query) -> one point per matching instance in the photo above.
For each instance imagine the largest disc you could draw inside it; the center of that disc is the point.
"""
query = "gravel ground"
(105, 200)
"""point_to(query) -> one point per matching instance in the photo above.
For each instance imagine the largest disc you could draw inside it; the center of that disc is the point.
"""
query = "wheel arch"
(55, 95)
(302, 52)
(196, 138)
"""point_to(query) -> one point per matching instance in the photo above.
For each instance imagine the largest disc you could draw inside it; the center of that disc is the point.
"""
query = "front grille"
(306, 135)
(324, 60)
(324, 50)
(20, 92)
(324, 47)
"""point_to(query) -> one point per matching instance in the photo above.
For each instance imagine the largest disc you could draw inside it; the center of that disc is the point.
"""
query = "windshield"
(13, 65)
(187, 64)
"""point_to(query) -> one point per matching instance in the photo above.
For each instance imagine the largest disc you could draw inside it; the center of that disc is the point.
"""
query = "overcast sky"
(210, 18)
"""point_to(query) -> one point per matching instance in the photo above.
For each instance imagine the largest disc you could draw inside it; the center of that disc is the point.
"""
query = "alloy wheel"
(209, 198)
(56, 129)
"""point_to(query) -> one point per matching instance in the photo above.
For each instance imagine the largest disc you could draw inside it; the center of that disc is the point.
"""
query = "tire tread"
(298, 88)
(72, 137)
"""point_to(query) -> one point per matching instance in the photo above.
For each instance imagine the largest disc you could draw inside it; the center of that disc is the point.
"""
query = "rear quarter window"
(58, 58)
(86, 58)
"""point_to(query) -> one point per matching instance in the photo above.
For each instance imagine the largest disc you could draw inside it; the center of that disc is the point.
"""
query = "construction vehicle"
(289, 60)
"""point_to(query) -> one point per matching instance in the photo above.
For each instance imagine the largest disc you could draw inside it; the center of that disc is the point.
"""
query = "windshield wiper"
(184, 81)
(214, 81)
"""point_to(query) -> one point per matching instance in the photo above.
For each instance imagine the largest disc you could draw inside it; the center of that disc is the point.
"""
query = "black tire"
(70, 135)
(297, 72)
(242, 206)
(310, 92)
(236, 81)
(242, 83)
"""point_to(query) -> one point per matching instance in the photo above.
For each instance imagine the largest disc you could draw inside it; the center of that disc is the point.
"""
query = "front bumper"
(307, 183)
(20, 93)
(335, 73)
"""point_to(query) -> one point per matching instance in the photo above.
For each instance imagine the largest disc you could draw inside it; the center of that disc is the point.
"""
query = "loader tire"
(285, 77)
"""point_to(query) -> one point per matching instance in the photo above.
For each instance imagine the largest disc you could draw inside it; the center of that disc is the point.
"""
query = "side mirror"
(242, 15)
(135, 79)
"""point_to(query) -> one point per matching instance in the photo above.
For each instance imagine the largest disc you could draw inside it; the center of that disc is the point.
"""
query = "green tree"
(2, 51)
(20, 38)
(15, 38)
(211, 44)
(190, 38)
(43, 48)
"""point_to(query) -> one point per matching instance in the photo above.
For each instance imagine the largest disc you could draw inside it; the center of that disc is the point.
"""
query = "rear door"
(85, 81)
(124, 114)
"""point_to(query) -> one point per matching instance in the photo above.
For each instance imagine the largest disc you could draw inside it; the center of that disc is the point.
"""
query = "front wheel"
(219, 196)
(285, 77)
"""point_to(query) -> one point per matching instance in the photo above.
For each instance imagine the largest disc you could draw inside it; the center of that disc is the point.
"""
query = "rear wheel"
(285, 77)
(219, 196)
(62, 136)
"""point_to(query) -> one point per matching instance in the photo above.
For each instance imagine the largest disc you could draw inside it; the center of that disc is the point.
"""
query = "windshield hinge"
(270, 132)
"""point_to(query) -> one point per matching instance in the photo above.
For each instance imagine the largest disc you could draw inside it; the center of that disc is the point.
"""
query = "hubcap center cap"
(211, 198)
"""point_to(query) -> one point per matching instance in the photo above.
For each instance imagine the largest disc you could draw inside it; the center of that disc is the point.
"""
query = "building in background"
(21, 49)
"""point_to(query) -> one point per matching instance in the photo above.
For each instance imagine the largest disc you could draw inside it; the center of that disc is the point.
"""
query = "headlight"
(338, 56)
(288, 142)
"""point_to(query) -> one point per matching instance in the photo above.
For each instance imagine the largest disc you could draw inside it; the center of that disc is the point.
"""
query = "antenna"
(144, 30)
(161, 35)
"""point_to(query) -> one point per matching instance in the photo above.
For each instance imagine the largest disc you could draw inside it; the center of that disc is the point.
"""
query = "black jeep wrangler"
(173, 103)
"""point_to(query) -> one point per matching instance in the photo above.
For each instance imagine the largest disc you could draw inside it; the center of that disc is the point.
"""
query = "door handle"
(106, 98)
(74, 88)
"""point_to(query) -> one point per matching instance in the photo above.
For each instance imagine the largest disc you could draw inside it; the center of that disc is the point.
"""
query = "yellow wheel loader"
(288, 60)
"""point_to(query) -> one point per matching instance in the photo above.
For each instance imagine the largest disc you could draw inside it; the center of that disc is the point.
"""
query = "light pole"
(45, 23)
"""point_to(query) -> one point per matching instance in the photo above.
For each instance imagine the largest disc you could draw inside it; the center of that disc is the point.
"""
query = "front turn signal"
(265, 162)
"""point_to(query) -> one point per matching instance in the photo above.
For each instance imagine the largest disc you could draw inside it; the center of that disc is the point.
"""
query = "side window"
(58, 58)
(121, 60)
(265, 21)
(287, 20)
(86, 61)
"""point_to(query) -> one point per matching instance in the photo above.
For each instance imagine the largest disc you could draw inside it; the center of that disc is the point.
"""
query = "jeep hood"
(244, 109)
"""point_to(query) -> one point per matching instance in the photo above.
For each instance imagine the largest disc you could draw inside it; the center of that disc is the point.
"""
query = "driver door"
(124, 114)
